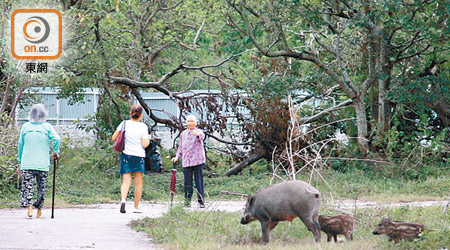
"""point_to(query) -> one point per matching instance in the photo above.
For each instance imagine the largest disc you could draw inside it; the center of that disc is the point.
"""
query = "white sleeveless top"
(134, 132)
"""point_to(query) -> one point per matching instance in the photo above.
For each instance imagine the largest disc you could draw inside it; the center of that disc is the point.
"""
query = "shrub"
(8, 163)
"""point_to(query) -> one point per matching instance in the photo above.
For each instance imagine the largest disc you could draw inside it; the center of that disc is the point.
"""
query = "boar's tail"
(316, 193)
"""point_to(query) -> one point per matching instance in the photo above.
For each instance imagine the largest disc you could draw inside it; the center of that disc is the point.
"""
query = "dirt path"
(103, 227)
(349, 205)
(90, 226)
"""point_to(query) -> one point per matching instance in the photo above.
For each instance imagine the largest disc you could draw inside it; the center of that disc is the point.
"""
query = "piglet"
(334, 225)
(398, 230)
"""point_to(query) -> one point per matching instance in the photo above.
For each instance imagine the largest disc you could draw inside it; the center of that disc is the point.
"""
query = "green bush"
(8, 164)
(419, 153)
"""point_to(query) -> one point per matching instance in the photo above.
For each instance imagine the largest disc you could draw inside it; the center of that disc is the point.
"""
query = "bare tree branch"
(174, 6)
(194, 43)
(192, 48)
(173, 123)
(158, 85)
(316, 117)
(255, 13)
(415, 54)
(229, 142)
(325, 46)
(155, 52)
(250, 160)
(135, 84)
(289, 53)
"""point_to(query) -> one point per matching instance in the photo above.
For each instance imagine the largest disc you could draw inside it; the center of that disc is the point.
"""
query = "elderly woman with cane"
(34, 157)
(192, 152)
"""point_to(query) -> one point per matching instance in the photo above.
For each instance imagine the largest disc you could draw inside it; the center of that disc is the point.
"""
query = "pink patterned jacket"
(190, 148)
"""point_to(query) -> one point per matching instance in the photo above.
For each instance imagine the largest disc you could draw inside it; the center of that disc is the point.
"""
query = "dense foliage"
(376, 71)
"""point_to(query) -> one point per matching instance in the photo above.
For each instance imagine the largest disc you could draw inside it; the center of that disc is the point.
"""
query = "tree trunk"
(383, 87)
(381, 107)
(250, 160)
(9, 80)
(12, 114)
(361, 123)
(105, 99)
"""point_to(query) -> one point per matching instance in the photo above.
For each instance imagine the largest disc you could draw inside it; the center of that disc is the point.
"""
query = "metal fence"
(63, 113)
(60, 112)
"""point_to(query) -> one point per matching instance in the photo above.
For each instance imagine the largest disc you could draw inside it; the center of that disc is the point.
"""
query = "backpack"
(153, 162)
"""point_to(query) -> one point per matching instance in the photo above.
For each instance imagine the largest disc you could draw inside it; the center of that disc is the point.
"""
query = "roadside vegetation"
(91, 175)
(179, 229)
(87, 175)
(293, 76)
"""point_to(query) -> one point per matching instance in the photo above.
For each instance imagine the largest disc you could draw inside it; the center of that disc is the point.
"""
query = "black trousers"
(197, 173)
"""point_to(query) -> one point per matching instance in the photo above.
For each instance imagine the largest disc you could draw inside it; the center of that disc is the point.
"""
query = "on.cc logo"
(36, 34)
(37, 24)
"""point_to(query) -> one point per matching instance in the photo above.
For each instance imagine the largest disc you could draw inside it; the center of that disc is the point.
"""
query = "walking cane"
(55, 159)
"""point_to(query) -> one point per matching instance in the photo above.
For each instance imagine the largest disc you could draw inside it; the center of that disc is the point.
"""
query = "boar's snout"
(383, 227)
(245, 219)
(379, 230)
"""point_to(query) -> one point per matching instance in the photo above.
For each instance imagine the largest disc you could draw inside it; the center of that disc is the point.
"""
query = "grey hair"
(38, 113)
(191, 117)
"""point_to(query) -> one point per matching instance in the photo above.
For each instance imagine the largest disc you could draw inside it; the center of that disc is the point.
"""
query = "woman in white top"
(132, 157)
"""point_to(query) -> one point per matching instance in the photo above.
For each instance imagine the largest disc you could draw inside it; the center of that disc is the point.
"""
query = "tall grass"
(9, 178)
(179, 229)
(91, 175)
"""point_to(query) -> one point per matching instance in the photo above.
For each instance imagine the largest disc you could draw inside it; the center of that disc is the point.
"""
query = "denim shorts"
(131, 164)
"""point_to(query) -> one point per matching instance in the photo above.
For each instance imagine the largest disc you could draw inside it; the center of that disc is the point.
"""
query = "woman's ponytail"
(136, 111)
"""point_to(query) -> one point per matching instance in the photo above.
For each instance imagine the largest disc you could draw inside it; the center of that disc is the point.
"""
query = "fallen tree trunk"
(250, 160)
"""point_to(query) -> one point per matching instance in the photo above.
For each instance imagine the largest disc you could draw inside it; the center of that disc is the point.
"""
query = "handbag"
(119, 144)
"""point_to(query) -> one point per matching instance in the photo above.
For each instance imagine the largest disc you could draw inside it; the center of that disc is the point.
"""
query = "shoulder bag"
(119, 144)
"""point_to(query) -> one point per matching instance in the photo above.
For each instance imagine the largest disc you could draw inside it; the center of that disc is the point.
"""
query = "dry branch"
(233, 193)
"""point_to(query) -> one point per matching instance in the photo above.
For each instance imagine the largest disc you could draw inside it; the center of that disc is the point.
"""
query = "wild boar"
(398, 230)
(281, 202)
(334, 225)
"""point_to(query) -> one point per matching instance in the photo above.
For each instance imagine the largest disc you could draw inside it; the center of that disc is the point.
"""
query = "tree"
(251, 56)
(13, 80)
(365, 47)
(352, 44)
(126, 39)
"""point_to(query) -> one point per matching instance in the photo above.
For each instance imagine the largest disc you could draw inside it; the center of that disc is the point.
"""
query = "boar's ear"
(250, 200)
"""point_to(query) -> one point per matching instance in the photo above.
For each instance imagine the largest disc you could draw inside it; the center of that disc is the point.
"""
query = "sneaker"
(187, 203)
(30, 211)
(202, 205)
(39, 213)
(122, 207)
(137, 211)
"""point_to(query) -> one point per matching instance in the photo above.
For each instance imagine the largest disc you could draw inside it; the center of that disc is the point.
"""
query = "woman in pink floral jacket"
(192, 152)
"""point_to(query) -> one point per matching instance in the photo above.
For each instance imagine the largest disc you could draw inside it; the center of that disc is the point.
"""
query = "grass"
(359, 184)
(87, 175)
(179, 229)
